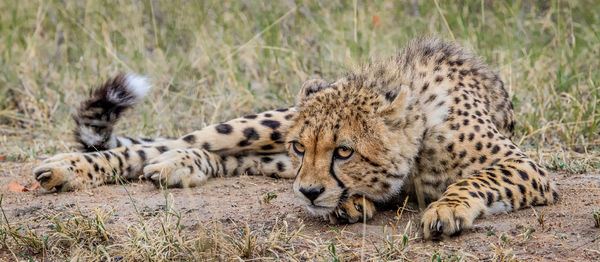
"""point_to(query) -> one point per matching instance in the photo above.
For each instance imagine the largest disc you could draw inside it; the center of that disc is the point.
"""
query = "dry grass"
(213, 60)
(89, 235)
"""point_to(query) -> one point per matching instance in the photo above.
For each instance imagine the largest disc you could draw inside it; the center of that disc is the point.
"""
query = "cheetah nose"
(312, 193)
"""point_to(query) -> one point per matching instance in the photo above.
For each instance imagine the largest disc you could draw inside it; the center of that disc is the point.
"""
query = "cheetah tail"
(97, 115)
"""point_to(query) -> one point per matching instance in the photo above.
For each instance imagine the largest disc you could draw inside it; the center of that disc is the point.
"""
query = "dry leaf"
(2, 157)
(16, 187)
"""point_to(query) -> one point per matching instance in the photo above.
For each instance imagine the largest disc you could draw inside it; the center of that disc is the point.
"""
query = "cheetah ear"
(396, 102)
(311, 87)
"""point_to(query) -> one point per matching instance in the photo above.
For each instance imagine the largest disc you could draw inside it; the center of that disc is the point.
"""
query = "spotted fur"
(431, 122)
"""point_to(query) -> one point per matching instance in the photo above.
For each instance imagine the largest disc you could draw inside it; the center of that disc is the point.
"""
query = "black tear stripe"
(300, 168)
(344, 195)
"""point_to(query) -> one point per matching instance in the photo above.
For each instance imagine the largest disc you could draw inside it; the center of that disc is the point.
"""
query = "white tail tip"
(138, 85)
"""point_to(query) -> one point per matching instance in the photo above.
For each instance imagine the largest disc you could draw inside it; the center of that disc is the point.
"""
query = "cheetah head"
(349, 139)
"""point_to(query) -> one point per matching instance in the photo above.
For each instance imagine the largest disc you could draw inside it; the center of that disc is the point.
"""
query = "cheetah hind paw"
(174, 168)
(59, 172)
(354, 209)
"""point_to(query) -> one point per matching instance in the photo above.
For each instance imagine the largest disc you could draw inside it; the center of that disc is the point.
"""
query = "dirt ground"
(567, 232)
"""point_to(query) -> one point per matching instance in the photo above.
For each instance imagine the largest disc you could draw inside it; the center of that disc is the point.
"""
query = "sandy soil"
(566, 234)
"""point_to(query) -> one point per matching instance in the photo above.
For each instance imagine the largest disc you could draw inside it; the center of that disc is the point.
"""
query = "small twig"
(444, 19)
(586, 243)
(355, 21)
(260, 33)
(154, 24)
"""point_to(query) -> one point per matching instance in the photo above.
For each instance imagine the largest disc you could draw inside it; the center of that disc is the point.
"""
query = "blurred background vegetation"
(213, 60)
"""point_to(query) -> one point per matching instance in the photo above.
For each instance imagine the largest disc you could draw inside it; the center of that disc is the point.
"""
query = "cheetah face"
(341, 145)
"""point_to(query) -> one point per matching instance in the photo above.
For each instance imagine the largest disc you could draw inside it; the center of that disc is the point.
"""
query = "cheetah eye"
(343, 152)
(298, 148)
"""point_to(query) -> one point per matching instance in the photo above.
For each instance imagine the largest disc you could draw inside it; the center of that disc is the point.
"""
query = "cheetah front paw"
(59, 172)
(176, 168)
(442, 218)
(354, 209)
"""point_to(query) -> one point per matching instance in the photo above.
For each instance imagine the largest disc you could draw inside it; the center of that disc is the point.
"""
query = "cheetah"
(432, 122)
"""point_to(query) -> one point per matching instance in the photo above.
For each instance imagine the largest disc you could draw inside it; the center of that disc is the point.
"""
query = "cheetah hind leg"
(191, 167)
(182, 168)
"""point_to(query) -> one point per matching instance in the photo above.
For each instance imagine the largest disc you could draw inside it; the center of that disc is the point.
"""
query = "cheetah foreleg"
(510, 185)
(354, 209)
